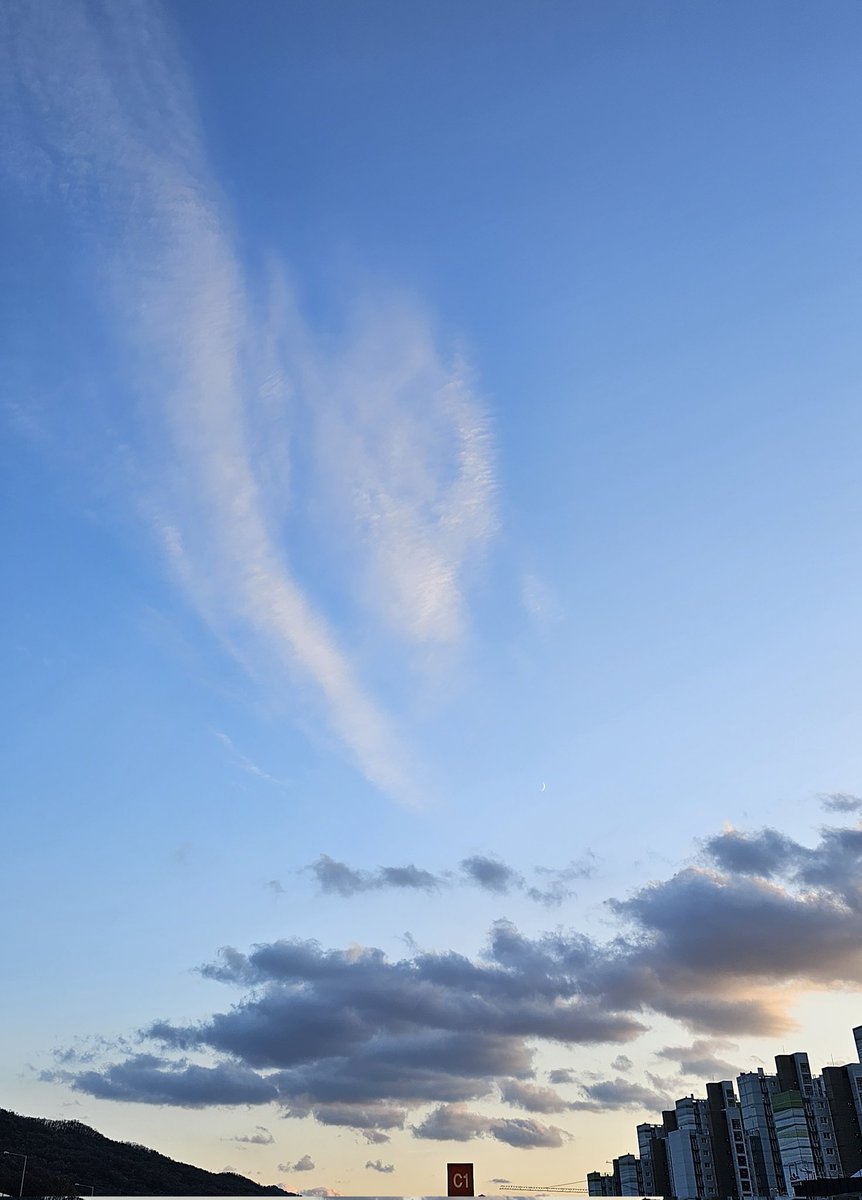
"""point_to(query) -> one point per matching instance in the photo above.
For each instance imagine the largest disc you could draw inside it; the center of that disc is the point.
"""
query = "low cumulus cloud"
(701, 1059)
(609, 1095)
(531, 1097)
(306, 1163)
(355, 1039)
(377, 1165)
(833, 864)
(337, 877)
(552, 886)
(374, 1137)
(842, 802)
(261, 1137)
(491, 874)
(455, 1123)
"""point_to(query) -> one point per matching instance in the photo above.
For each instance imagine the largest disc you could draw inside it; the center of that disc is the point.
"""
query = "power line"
(554, 1187)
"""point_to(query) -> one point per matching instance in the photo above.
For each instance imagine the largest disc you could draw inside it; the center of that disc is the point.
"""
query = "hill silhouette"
(64, 1155)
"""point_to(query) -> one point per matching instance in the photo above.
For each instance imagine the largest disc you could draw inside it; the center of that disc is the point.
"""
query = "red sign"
(460, 1178)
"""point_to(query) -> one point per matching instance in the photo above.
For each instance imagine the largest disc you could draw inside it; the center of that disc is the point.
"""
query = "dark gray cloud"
(376, 1165)
(552, 896)
(491, 874)
(527, 1134)
(262, 1137)
(842, 802)
(353, 1038)
(338, 877)
(765, 853)
(374, 1137)
(153, 1080)
(531, 1097)
(453, 1123)
(306, 1163)
(835, 864)
(354, 1116)
(714, 947)
(701, 1059)
(612, 1094)
(408, 877)
(622, 1062)
(552, 887)
(562, 1075)
(555, 887)
(745, 927)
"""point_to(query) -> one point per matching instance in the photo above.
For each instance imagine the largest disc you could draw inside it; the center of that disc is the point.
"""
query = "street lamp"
(15, 1154)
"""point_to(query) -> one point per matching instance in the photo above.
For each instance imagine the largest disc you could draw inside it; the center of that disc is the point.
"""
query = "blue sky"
(430, 506)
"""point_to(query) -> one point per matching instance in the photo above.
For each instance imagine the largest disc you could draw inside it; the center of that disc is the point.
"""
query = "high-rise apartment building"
(787, 1128)
(842, 1087)
(599, 1184)
(733, 1173)
(794, 1143)
(690, 1154)
(628, 1176)
(756, 1090)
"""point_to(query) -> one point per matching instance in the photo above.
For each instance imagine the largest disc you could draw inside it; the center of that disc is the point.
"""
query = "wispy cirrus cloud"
(245, 409)
(245, 763)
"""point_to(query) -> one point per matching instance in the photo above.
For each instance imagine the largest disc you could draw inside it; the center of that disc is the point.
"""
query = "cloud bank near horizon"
(267, 439)
(357, 1040)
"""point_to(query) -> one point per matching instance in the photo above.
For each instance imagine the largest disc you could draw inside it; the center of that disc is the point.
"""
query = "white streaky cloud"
(246, 764)
(541, 601)
(231, 400)
(410, 469)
